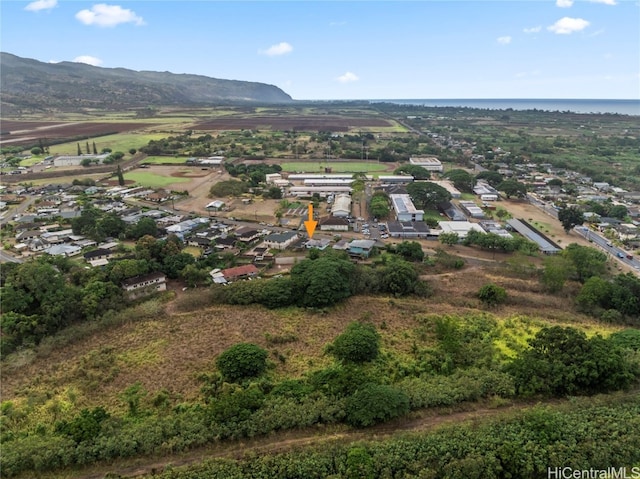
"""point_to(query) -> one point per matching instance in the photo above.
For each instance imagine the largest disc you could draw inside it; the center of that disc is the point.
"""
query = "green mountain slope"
(32, 84)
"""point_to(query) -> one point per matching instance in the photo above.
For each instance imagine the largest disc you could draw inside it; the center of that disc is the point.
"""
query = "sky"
(349, 50)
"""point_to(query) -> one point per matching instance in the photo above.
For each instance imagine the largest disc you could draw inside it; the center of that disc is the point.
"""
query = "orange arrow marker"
(310, 224)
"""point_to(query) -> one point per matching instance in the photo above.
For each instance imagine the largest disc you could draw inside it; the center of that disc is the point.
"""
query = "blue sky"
(351, 50)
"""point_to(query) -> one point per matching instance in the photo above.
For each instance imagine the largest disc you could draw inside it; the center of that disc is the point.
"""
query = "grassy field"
(336, 167)
(118, 142)
(159, 160)
(152, 180)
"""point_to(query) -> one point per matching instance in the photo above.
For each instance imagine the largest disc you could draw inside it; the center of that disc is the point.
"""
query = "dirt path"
(290, 440)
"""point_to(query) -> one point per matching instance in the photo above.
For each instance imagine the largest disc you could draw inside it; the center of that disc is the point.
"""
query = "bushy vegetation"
(364, 386)
(358, 344)
(522, 445)
(562, 361)
(242, 361)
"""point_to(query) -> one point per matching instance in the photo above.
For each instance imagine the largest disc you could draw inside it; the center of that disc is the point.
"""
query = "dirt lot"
(303, 123)
(25, 132)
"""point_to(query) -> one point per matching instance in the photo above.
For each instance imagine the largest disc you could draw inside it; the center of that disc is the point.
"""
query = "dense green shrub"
(564, 361)
(492, 295)
(358, 344)
(374, 403)
(241, 361)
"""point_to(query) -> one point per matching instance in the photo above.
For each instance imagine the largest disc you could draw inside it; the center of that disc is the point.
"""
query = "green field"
(152, 180)
(159, 160)
(118, 142)
(337, 167)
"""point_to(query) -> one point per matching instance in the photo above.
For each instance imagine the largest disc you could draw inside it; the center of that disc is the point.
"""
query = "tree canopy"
(570, 217)
(427, 195)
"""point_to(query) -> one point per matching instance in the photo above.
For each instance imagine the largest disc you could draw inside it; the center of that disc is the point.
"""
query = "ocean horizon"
(622, 107)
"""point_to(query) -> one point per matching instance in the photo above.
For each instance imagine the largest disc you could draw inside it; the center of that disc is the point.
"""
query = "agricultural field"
(336, 166)
(118, 142)
(155, 180)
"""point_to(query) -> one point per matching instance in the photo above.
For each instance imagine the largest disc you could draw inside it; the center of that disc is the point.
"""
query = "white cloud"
(281, 48)
(89, 60)
(532, 29)
(606, 2)
(348, 77)
(104, 15)
(504, 40)
(564, 3)
(533, 73)
(567, 25)
(54, 61)
(41, 5)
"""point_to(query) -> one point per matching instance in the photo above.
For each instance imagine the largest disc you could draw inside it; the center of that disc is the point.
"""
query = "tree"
(242, 361)
(87, 148)
(418, 172)
(273, 192)
(86, 162)
(321, 282)
(410, 250)
(588, 261)
(461, 179)
(492, 295)
(360, 343)
(450, 239)
(95, 150)
(132, 151)
(492, 177)
(36, 150)
(194, 276)
(144, 227)
(570, 217)
(79, 150)
(120, 176)
(427, 195)
(398, 277)
(375, 403)
(557, 270)
(563, 361)
(512, 188)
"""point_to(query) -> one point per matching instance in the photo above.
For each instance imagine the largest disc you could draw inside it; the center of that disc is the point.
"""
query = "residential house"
(145, 284)
(227, 242)
(280, 240)
(317, 243)
(247, 234)
(97, 254)
(240, 272)
(361, 248)
(63, 250)
(28, 235)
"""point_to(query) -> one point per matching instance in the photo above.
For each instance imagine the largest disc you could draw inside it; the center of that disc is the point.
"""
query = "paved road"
(8, 258)
(605, 245)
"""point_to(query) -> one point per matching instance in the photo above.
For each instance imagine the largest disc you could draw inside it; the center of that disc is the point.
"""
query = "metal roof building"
(525, 229)
(404, 208)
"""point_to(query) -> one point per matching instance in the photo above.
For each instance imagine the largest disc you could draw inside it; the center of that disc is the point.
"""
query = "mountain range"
(28, 84)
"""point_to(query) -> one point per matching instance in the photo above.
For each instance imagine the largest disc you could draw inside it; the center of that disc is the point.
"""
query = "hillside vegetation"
(169, 375)
(32, 85)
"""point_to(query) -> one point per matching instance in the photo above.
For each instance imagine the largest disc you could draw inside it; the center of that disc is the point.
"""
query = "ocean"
(622, 107)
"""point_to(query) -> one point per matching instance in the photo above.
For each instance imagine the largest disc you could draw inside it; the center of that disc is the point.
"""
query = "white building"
(341, 205)
(321, 190)
(460, 227)
(405, 209)
(430, 163)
